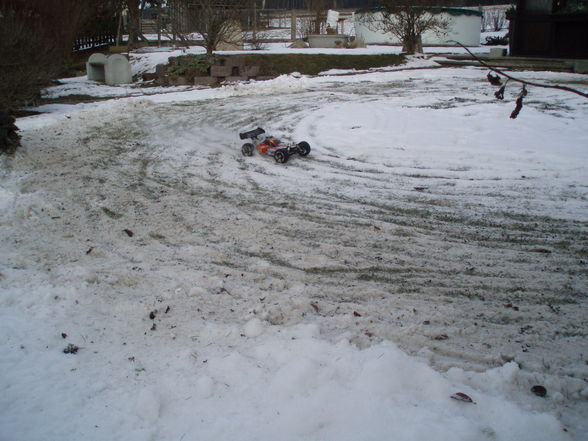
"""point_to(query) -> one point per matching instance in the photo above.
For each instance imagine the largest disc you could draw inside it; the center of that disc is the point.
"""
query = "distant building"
(362, 4)
(550, 28)
(464, 26)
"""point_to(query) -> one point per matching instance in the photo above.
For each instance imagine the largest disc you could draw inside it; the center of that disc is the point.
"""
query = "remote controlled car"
(270, 145)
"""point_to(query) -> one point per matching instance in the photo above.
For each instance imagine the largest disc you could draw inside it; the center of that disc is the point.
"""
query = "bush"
(36, 38)
(496, 41)
(9, 137)
(191, 66)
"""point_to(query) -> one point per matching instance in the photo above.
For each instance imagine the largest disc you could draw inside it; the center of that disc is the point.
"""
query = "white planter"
(328, 40)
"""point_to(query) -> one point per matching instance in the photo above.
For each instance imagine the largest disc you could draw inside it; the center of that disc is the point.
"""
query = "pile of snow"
(255, 382)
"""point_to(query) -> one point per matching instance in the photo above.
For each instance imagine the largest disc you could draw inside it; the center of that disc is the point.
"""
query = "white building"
(464, 26)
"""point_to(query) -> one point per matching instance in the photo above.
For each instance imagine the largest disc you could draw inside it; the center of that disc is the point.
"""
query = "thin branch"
(529, 83)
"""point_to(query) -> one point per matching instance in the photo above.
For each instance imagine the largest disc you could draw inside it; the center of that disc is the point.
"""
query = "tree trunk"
(9, 137)
(134, 25)
(412, 44)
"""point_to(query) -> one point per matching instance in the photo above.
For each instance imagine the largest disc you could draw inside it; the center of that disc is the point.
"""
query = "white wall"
(462, 28)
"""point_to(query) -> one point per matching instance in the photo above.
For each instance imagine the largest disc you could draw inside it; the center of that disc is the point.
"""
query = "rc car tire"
(247, 149)
(303, 148)
(281, 156)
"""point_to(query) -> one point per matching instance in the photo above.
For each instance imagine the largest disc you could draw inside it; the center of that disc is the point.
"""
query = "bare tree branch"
(217, 21)
(528, 83)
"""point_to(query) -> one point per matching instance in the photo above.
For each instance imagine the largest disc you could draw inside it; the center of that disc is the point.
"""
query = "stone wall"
(228, 68)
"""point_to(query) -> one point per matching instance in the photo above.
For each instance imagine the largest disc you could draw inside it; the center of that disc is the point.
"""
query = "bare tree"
(497, 20)
(408, 20)
(217, 21)
(307, 26)
(35, 38)
(135, 10)
(134, 23)
(484, 18)
(317, 9)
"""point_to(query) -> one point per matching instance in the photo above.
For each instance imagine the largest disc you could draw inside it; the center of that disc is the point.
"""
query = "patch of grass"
(278, 64)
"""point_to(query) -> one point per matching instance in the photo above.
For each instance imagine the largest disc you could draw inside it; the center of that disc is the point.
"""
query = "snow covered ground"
(428, 246)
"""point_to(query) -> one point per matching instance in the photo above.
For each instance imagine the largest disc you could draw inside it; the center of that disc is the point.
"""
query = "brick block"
(251, 71)
(581, 66)
(178, 81)
(235, 61)
(233, 79)
(497, 52)
(150, 76)
(220, 71)
(204, 81)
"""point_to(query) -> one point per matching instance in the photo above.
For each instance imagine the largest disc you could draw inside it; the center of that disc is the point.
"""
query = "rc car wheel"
(303, 148)
(281, 156)
(247, 149)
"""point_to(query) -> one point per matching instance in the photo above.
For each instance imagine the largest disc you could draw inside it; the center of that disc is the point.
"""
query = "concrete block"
(328, 41)
(178, 81)
(233, 37)
(150, 77)
(497, 52)
(234, 61)
(220, 71)
(230, 46)
(117, 70)
(251, 71)
(233, 79)
(95, 67)
(204, 81)
(581, 66)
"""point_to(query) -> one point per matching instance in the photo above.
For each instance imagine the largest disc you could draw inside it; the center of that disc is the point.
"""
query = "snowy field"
(427, 246)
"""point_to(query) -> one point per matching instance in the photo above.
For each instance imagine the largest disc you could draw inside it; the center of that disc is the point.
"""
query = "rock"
(539, 390)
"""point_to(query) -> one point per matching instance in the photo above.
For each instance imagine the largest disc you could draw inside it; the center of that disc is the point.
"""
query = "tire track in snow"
(367, 249)
(501, 267)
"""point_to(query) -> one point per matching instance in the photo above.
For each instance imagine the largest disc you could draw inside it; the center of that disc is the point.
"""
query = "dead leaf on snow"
(460, 396)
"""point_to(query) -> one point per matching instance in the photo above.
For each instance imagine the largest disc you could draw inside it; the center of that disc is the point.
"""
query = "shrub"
(191, 65)
(496, 41)
(9, 137)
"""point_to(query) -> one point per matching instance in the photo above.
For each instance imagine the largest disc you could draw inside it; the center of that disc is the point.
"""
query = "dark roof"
(362, 4)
